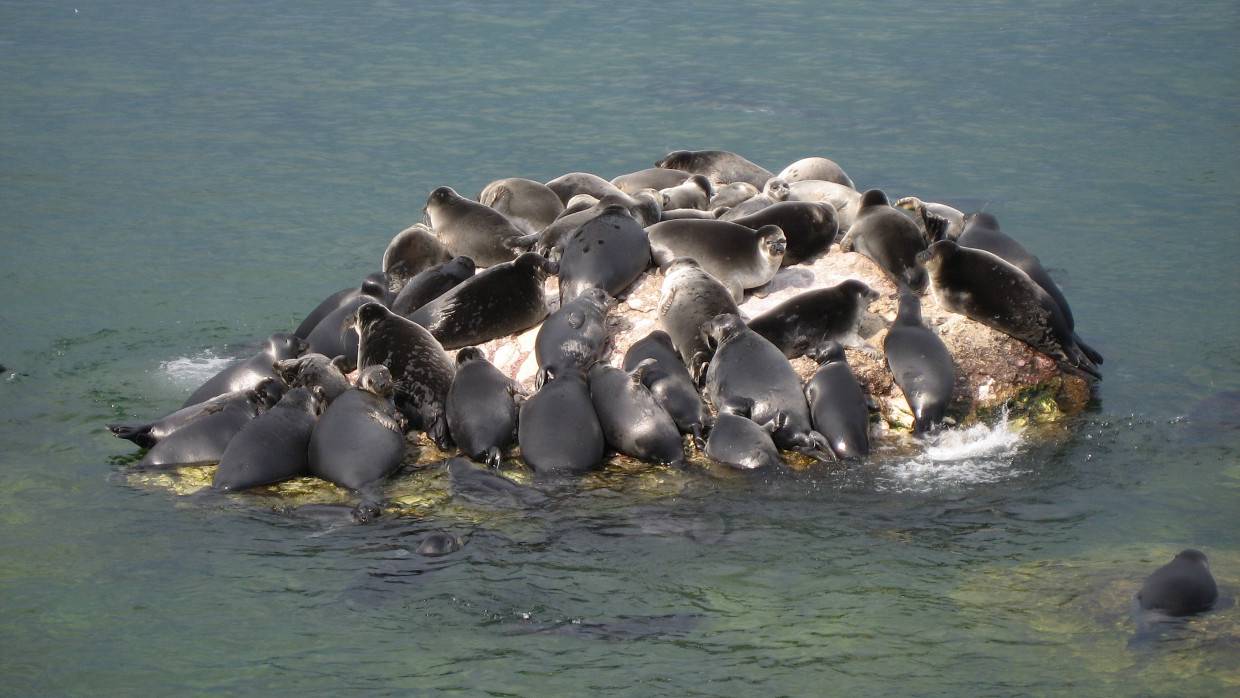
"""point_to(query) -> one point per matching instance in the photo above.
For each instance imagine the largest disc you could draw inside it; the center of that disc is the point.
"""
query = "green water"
(177, 180)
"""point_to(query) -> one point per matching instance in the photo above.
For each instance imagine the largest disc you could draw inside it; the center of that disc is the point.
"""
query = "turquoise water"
(177, 180)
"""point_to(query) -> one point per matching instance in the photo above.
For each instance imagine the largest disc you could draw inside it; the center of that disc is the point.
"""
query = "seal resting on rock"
(558, 429)
(481, 408)
(688, 299)
(721, 166)
(805, 323)
(468, 228)
(632, 420)
(837, 405)
(272, 447)
(739, 257)
(252, 371)
(920, 365)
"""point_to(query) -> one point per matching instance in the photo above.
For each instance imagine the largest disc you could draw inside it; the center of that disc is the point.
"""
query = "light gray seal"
(806, 323)
(920, 364)
(689, 298)
(481, 486)
(468, 228)
(506, 299)
(420, 370)
(737, 256)
(889, 238)
(739, 442)
(610, 251)
(204, 438)
(926, 215)
(530, 205)
(411, 251)
(574, 336)
(272, 447)
(316, 371)
(823, 169)
(431, 284)
(147, 434)
(558, 430)
(670, 383)
(984, 287)
(809, 227)
(730, 195)
(775, 191)
(723, 167)
(694, 192)
(846, 200)
(632, 420)
(252, 371)
(569, 185)
(360, 438)
(1181, 587)
(650, 178)
(837, 406)
(481, 408)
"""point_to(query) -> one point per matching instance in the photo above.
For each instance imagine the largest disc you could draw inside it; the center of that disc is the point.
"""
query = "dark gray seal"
(722, 166)
(204, 438)
(609, 251)
(574, 183)
(775, 191)
(650, 178)
(316, 371)
(431, 284)
(633, 422)
(506, 299)
(468, 228)
(737, 256)
(694, 192)
(147, 434)
(670, 383)
(748, 375)
(272, 447)
(818, 168)
(921, 365)
(420, 369)
(530, 205)
(837, 406)
(481, 486)
(252, 371)
(984, 287)
(809, 228)
(643, 208)
(1181, 587)
(574, 336)
(481, 408)
(335, 334)
(807, 322)
(558, 429)
(739, 442)
(683, 213)
(688, 299)
(375, 285)
(412, 251)
(889, 238)
(360, 438)
(438, 544)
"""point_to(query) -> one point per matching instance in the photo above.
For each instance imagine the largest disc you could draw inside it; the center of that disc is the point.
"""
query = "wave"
(979, 454)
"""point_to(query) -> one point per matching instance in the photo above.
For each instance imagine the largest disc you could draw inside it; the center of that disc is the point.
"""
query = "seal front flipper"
(140, 434)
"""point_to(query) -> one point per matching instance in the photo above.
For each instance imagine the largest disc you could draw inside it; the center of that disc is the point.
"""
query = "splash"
(193, 371)
(979, 454)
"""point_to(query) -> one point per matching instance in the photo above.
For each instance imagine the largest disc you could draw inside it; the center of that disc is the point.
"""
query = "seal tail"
(140, 434)
(1087, 350)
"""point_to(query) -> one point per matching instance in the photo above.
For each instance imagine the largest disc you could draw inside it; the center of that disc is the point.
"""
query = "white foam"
(980, 454)
(193, 371)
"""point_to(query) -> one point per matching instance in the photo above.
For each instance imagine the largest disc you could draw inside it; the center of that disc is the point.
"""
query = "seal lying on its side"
(688, 299)
(252, 371)
(739, 257)
(807, 322)
(809, 227)
(204, 439)
(468, 228)
(823, 169)
(431, 284)
(650, 178)
(412, 251)
(530, 205)
(920, 364)
(147, 434)
(1181, 587)
(721, 166)
(272, 447)
(503, 300)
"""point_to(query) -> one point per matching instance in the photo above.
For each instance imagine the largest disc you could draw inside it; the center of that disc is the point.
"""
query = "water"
(177, 180)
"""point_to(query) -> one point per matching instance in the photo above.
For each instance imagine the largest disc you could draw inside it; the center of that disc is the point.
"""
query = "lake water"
(179, 179)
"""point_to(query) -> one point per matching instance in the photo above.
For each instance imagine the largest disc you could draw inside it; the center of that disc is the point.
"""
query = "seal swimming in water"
(420, 370)
(360, 438)
(807, 322)
(503, 300)
(203, 438)
(984, 287)
(431, 284)
(575, 334)
(252, 371)
(809, 228)
(837, 405)
(889, 238)
(272, 447)
(481, 408)
(920, 364)
(721, 166)
(481, 486)
(558, 430)
(632, 420)
(1181, 587)
(530, 205)
(739, 442)
(316, 371)
(823, 169)
(147, 434)
(689, 298)
(410, 252)
(737, 256)
(609, 251)
(670, 383)
(470, 229)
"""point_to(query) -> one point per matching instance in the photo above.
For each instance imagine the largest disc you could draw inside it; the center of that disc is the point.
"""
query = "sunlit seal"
(846, 200)
(569, 185)
(147, 434)
(920, 364)
(609, 251)
(506, 299)
(729, 195)
(739, 442)
(574, 335)
(643, 208)
(316, 371)
(837, 406)
(204, 438)
(650, 178)
(360, 439)
(737, 256)
(558, 430)
(775, 191)
(273, 446)
(807, 322)
(252, 371)
(932, 217)
(632, 420)
(335, 335)
(823, 169)
(985, 288)
(809, 228)
(670, 383)
(530, 205)
(889, 238)
(1181, 587)
(468, 228)
(694, 192)
(721, 166)
(481, 408)
(411, 251)
(689, 298)
(431, 284)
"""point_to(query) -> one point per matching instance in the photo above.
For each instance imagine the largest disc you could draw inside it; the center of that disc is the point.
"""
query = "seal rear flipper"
(1089, 351)
(523, 242)
(438, 433)
(936, 226)
(698, 441)
(140, 434)
(493, 457)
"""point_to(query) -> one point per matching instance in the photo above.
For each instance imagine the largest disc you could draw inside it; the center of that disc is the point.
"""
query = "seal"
(203, 438)
(632, 420)
(889, 238)
(420, 370)
(1181, 587)
(530, 205)
(985, 288)
(375, 285)
(921, 365)
(739, 257)
(844, 199)
(688, 298)
(643, 208)
(749, 376)
(823, 169)
(775, 191)
(315, 371)
(739, 442)
(806, 323)
(505, 299)
(694, 192)
(982, 233)
(558, 430)
(468, 228)
(650, 178)
(272, 447)
(609, 251)
(730, 195)
(926, 215)
(360, 438)
(252, 371)
(431, 284)
(574, 183)
(335, 336)
(722, 166)
(837, 406)
(147, 434)
(682, 213)
(670, 383)
(573, 336)
(480, 486)
(481, 408)
(438, 544)
(410, 252)
(809, 228)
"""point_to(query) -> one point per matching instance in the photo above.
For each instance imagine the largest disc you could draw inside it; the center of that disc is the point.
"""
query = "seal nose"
(923, 256)
(778, 248)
